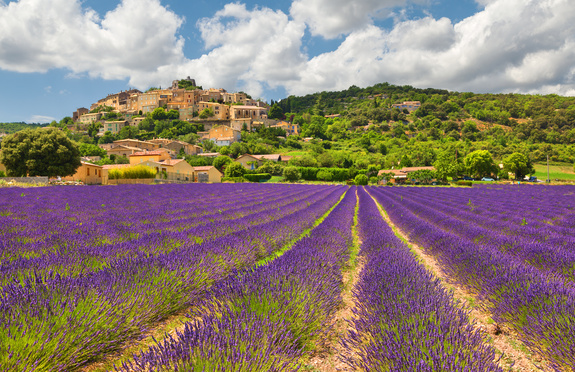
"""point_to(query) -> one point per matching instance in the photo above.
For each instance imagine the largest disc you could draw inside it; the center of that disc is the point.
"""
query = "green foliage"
(361, 180)
(135, 172)
(518, 163)
(2, 174)
(291, 174)
(221, 161)
(336, 174)
(187, 85)
(233, 179)
(480, 164)
(424, 176)
(42, 152)
(10, 128)
(464, 183)
(324, 175)
(206, 113)
(258, 177)
(271, 167)
(235, 170)
(276, 112)
(87, 149)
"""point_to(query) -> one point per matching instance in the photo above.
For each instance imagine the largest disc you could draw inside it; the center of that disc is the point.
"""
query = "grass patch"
(561, 172)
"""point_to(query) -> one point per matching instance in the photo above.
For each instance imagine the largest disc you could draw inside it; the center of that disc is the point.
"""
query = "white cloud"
(510, 45)
(40, 119)
(38, 35)
(331, 18)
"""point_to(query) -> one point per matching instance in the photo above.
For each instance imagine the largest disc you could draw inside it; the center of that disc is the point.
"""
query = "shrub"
(258, 177)
(291, 174)
(235, 170)
(135, 172)
(373, 180)
(233, 179)
(324, 175)
(464, 183)
(2, 174)
(361, 179)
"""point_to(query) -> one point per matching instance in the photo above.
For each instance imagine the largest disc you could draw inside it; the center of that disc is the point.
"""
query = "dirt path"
(516, 356)
(331, 351)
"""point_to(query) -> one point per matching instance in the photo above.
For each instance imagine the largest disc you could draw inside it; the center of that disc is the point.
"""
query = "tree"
(276, 112)
(87, 149)
(291, 174)
(221, 161)
(41, 152)
(235, 170)
(446, 166)
(361, 179)
(518, 163)
(480, 164)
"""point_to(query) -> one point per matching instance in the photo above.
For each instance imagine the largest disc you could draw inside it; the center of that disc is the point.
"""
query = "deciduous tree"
(41, 152)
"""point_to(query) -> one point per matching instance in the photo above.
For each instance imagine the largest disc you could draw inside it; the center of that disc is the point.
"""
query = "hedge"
(135, 172)
(337, 174)
(258, 177)
(233, 179)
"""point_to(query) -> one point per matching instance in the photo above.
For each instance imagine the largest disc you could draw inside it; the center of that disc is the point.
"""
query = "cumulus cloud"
(331, 18)
(38, 35)
(509, 45)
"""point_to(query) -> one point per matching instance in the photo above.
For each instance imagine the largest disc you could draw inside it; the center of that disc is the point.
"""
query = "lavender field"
(260, 273)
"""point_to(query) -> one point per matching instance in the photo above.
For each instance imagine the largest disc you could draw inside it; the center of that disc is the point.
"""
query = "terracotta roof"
(205, 168)
(87, 163)
(171, 161)
(403, 171)
(209, 154)
(148, 153)
(275, 157)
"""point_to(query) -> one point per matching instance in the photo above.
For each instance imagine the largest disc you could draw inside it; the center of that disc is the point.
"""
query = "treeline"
(10, 128)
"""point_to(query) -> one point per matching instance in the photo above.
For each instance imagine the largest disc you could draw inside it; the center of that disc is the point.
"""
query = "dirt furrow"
(516, 356)
(331, 353)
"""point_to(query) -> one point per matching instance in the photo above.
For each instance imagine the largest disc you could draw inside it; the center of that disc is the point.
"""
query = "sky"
(59, 55)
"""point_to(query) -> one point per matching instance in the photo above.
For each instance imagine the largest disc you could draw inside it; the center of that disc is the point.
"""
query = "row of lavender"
(534, 297)
(536, 224)
(404, 319)
(39, 224)
(59, 310)
(264, 319)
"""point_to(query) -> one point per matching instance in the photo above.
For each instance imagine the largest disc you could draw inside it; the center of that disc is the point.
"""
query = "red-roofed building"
(144, 156)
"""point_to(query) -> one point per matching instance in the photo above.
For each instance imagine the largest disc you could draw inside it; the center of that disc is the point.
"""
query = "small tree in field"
(361, 179)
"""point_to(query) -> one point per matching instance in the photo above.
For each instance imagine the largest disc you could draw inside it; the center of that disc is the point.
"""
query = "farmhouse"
(207, 174)
(89, 174)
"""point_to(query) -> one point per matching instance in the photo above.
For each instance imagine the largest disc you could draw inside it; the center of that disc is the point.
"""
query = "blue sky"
(58, 55)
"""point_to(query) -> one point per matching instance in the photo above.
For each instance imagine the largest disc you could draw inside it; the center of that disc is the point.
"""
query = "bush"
(361, 179)
(324, 175)
(373, 180)
(464, 183)
(2, 174)
(135, 172)
(258, 177)
(235, 170)
(233, 179)
(337, 174)
(291, 174)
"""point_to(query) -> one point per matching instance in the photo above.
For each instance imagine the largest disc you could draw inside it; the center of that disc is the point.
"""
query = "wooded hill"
(501, 123)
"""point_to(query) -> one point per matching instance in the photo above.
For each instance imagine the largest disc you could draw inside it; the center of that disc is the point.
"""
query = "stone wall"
(30, 180)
